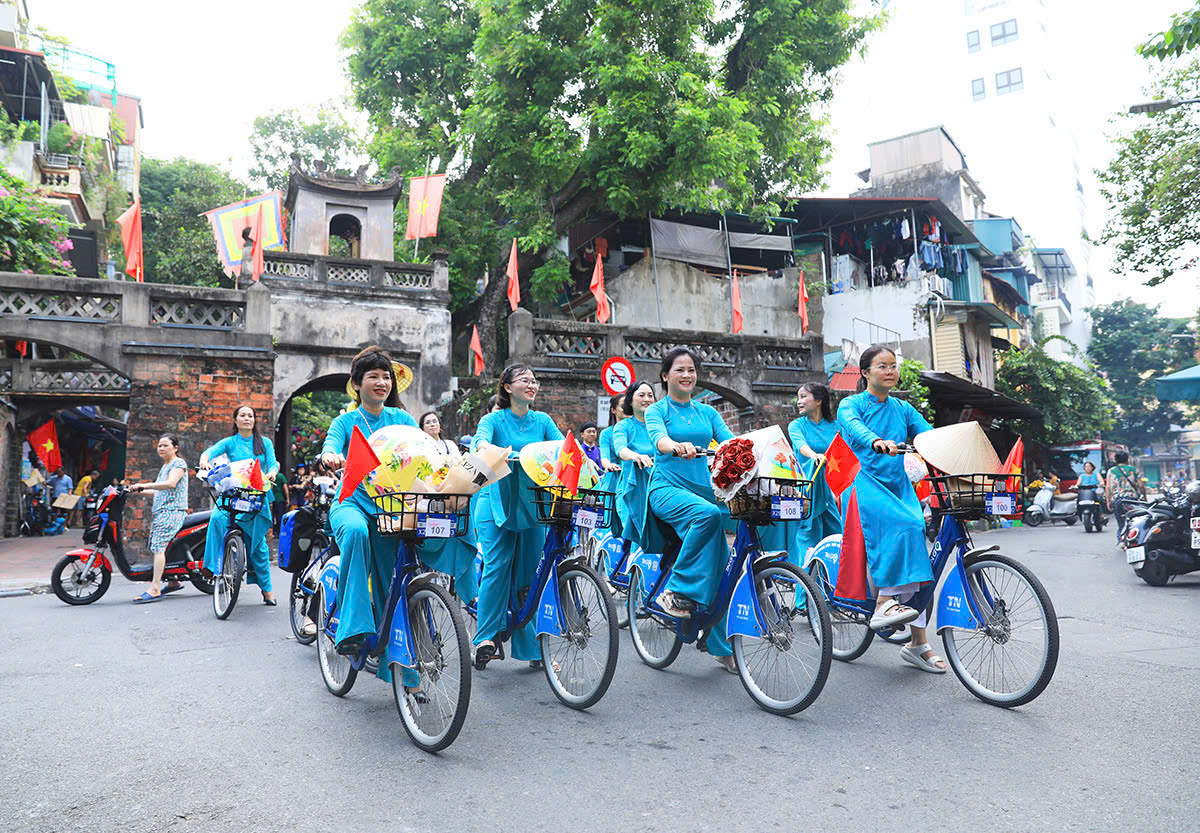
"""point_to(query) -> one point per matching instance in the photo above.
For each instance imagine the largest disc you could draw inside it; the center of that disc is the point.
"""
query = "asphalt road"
(159, 717)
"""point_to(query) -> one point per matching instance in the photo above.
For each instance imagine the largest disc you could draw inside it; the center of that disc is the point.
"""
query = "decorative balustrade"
(56, 376)
(189, 312)
(351, 272)
(570, 345)
(86, 305)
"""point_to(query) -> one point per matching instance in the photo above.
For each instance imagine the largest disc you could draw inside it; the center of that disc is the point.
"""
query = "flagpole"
(424, 199)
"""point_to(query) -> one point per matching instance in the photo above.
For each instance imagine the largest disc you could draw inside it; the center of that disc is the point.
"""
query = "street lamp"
(1162, 104)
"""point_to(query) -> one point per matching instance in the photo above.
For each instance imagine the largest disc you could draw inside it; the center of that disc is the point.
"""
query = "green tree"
(1181, 36)
(328, 136)
(918, 393)
(33, 235)
(177, 241)
(1151, 183)
(543, 112)
(1132, 345)
(1074, 401)
(311, 415)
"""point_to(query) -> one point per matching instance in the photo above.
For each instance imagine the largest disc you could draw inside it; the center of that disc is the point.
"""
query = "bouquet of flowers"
(734, 465)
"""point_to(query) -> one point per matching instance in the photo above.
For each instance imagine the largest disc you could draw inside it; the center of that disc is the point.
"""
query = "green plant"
(1074, 401)
(61, 139)
(33, 236)
(549, 278)
(918, 394)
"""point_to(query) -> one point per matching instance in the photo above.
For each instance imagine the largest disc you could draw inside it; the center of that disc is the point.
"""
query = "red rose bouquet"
(734, 465)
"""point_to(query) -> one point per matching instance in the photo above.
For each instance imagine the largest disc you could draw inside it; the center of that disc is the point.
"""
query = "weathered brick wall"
(193, 398)
(10, 470)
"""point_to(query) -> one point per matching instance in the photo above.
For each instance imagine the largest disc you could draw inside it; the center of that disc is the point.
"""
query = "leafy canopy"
(1183, 35)
(1074, 401)
(328, 135)
(33, 235)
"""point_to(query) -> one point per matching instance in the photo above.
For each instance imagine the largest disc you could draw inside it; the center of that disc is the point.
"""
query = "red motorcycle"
(83, 575)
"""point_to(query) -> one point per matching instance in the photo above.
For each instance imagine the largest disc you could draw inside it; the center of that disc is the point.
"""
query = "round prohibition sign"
(617, 375)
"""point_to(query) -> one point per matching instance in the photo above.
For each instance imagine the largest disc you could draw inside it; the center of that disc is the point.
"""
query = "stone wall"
(10, 470)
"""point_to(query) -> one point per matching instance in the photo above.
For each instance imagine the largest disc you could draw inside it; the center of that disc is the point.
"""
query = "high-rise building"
(987, 70)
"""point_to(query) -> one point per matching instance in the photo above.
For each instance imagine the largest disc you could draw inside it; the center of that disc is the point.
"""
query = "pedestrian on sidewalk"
(82, 489)
(169, 508)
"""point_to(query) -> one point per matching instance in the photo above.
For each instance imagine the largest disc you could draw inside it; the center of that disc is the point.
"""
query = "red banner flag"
(424, 205)
(44, 441)
(257, 263)
(131, 237)
(23, 348)
(803, 307)
(476, 352)
(255, 478)
(1014, 462)
(737, 305)
(514, 281)
(603, 313)
(852, 564)
(361, 460)
(841, 466)
(568, 465)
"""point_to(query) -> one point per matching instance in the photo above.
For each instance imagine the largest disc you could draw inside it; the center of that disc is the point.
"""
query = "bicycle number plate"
(435, 526)
(586, 518)
(1135, 555)
(1195, 523)
(787, 508)
(1195, 540)
(242, 505)
(1000, 503)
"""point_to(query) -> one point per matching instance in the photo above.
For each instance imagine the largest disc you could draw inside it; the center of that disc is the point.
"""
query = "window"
(1009, 82)
(1005, 32)
(978, 92)
(973, 40)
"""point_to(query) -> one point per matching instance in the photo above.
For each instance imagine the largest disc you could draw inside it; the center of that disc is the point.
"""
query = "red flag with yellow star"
(841, 466)
(44, 441)
(424, 205)
(568, 465)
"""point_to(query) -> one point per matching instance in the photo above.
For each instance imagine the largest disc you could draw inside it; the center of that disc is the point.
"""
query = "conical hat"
(959, 449)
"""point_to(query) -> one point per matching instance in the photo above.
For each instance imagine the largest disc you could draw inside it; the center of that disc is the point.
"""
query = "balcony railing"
(352, 272)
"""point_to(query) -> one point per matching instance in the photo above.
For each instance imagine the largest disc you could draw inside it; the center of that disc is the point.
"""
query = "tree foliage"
(544, 112)
(1132, 346)
(918, 393)
(1151, 184)
(1183, 35)
(329, 135)
(311, 415)
(33, 235)
(1074, 401)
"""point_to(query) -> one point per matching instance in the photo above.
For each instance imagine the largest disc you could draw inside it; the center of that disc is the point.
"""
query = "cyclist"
(505, 521)
(874, 423)
(681, 495)
(244, 444)
(811, 433)
(631, 441)
(610, 463)
(453, 556)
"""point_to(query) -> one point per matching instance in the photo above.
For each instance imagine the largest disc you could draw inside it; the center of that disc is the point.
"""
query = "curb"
(31, 590)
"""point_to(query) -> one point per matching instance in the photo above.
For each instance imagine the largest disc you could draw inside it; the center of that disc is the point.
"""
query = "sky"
(205, 71)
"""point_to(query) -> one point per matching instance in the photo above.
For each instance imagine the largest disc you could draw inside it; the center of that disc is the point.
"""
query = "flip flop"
(167, 590)
(146, 599)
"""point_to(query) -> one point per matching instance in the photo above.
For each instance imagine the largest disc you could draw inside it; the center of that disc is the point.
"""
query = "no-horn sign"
(617, 375)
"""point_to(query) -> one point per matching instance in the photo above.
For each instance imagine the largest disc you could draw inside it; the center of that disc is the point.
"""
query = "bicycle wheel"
(1010, 660)
(851, 636)
(440, 647)
(228, 582)
(655, 639)
(336, 670)
(298, 609)
(785, 669)
(580, 665)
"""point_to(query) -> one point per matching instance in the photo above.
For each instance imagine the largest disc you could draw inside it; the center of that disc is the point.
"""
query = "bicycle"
(576, 617)
(777, 620)
(610, 557)
(303, 591)
(426, 633)
(978, 603)
(231, 566)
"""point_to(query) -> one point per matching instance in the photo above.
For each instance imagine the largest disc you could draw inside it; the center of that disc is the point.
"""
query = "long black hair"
(256, 438)
(374, 358)
(421, 421)
(820, 393)
(617, 401)
(627, 399)
(503, 397)
(864, 362)
(669, 360)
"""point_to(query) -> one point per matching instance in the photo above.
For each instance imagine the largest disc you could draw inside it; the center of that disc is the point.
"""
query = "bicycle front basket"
(422, 514)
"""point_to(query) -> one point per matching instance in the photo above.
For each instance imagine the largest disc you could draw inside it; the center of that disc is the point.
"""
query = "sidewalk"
(25, 563)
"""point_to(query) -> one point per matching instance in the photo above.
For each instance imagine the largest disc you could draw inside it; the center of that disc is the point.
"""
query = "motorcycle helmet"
(1193, 492)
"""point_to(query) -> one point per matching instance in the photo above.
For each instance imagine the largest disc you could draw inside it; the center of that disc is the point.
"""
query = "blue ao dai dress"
(633, 487)
(826, 518)
(236, 448)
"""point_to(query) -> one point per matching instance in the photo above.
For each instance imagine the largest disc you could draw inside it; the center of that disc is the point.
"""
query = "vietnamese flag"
(514, 281)
(255, 478)
(1014, 462)
(476, 352)
(852, 564)
(257, 264)
(603, 312)
(569, 464)
(841, 466)
(361, 460)
(803, 308)
(737, 305)
(424, 205)
(131, 237)
(44, 441)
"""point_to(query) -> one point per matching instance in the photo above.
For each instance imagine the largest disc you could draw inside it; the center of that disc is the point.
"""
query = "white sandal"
(893, 613)
(915, 655)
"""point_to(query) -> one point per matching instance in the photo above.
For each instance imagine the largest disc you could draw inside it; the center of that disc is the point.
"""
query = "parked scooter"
(83, 575)
(1090, 510)
(1165, 541)
(1047, 506)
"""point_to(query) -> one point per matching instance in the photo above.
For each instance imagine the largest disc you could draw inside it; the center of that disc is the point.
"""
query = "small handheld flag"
(852, 565)
(361, 460)
(568, 465)
(841, 466)
(255, 478)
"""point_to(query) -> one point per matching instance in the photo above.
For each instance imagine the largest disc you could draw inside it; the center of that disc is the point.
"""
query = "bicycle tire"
(656, 641)
(57, 583)
(1043, 671)
(432, 665)
(297, 610)
(582, 594)
(851, 635)
(228, 582)
(771, 581)
(337, 671)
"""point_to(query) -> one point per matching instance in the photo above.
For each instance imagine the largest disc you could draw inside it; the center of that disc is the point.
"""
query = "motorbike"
(1048, 506)
(35, 517)
(1163, 541)
(1090, 510)
(83, 575)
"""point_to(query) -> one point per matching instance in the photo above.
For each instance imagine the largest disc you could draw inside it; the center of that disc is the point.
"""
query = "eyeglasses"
(885, 367)
(527, 382)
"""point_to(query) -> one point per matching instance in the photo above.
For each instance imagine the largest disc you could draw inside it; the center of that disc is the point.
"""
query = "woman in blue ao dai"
(811, 435)
(631, 440)
(610, 463)
(874, 423)
(681, 493)
(244, 444)
(368, 557)
(506, 526)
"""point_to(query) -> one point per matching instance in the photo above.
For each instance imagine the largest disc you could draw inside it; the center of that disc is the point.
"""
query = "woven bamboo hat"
(958, 449)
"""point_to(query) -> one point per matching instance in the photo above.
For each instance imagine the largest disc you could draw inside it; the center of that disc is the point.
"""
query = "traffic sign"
(617, 375)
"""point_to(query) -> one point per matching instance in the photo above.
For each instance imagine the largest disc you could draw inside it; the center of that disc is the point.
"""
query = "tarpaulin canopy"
(698, 244)
(1181, 386)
